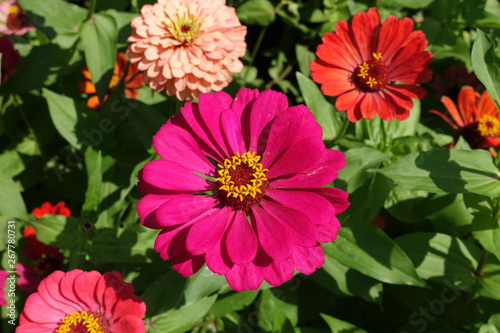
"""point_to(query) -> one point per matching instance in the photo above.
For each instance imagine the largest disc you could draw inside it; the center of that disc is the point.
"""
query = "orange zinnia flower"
(133, 80)
(477, 118)
(361, 63)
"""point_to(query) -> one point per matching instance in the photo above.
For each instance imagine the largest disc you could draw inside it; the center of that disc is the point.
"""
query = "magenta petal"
(190, 266)
(314, 205)
(241, 241)
(298, 157)
(147, 206)
(183, 208)
(243, 100)
(171, 242)
(279, 272)
(173, 142)
(337, 198)
(321, 173)
(207, 231)
(265, 108)
(328, 232)
(231, 129)
(303, 229)
(308, 259)
(173, 176)
(218, 260)
(273, 236)
(244, 277)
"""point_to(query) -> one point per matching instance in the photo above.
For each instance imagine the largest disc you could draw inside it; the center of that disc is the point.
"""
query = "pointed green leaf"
(340, 326)
(11, 202)
(64, 115)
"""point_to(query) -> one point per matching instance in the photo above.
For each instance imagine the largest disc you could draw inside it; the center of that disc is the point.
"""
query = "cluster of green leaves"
(434, 267)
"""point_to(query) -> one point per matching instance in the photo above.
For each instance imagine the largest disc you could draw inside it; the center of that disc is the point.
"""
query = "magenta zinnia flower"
(361, 63)
(187, 47)
(79, 301)
(239, 186)
(3, 285)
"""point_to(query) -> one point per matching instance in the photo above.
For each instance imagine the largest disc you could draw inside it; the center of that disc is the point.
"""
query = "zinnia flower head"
(3, 285)
(477, 118)
(10, 58)
(13, 20)
(187, 47)
(239, 186)
(79, 301)
(133, 81)
(47, 208)
(454, 79)
(361, 63)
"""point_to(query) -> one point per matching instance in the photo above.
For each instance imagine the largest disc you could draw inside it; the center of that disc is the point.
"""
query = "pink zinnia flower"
(10, 58)
(3, 284)
(361, 63)
(13, 20)
(187, 47)
(73, 301)
(239, 186)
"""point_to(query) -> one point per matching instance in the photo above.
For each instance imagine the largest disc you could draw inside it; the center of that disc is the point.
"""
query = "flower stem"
(254, 52)
(92, 6)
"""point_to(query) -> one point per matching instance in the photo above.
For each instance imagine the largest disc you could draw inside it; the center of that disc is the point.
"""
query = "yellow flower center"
(242, 180)
(372, 74)
(115, 79)
(489, 126)
(184, 29)
(14, 10)
(80, 322)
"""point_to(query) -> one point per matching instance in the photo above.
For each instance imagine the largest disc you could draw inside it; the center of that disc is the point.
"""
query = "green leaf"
(323, 110)
(202, 284)
(442, 258)
(340, 326)
(404, 128)
(486, 221)
(160, 299)
(64, 115)
(446, 171)
(492, 326)
(304, 58)
(359, 161)
(486, 64)
(11, 202)
(274, 311)
(370, 251)
(259, 12)
(343, 280)
(182, 320)
(99, 36)
(59, 19)
(93, 162)
(59, 231)
(401, 204)
(489, 282)
(233, 302)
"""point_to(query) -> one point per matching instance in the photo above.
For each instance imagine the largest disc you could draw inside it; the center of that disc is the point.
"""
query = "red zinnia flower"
(45, 258)
(133, 80)
(360, 64)
(240, 187)
(79, 301)
(477, 118)
(47, 208)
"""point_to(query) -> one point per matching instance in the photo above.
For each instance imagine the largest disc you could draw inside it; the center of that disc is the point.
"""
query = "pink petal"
(173, 176)
(231, 129)
(337, 198)
(276, 240)
(298, 157)
(244, 277)
(328, 232)
(87, 282)
(50, 313)
(241, 241)
(279, 272)
(174, 142)
(147, 206)
(187, 267)
(171, 242)
(303, 229)
(207, 231)
(36, 328)
(183, 208)
(128, 324)
(243, 100)
(218, 260)
(314, 205)
(307, 259)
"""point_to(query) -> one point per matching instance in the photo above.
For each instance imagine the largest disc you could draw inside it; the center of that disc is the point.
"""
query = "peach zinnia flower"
(79, 301)
(361, 63)
(187, 47)
(13, 20)
(477, 118)
(133, 80)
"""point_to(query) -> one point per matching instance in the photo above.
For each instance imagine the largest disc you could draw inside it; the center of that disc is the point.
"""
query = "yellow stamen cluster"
(365, 67)
(14, 10)
(241, 191)
(184, 29)
(489, 126)
(89, 321)
(115, 79)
